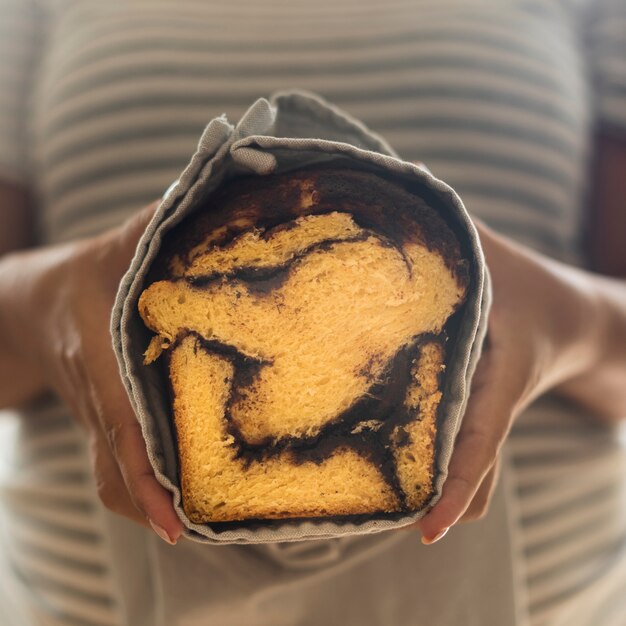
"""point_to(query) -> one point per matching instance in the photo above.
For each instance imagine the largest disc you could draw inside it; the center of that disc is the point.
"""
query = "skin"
(55, 304)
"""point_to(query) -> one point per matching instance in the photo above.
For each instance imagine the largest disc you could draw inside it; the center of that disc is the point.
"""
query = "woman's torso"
(493, 96)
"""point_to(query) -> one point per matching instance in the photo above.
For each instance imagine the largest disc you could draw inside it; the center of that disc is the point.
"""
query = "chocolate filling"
(383, 402)
(267, 279)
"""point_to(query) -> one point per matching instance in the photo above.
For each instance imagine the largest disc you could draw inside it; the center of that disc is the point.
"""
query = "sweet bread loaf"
(302, 319)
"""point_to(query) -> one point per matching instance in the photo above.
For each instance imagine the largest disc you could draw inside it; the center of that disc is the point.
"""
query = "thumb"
(120, 243)
(132, 229)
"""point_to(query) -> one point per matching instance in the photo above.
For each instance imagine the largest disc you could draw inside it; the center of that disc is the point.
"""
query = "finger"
(123, 434)
(485, 425)
(480, 502)
(109, 481)
(119, 245)
(135, 226)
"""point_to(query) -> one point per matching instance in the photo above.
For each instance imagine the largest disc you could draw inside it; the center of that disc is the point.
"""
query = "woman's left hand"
(536, 339)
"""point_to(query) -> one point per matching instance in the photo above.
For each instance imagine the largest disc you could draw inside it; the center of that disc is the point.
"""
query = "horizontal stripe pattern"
(493, 96)
(485, 82)
(20, 35)
(54, 555)
(570, 479)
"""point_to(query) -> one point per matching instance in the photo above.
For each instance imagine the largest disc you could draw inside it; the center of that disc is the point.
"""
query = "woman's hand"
(56, 309)
(542, 333)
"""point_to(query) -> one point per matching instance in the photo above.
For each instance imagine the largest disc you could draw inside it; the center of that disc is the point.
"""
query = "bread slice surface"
(305, 346)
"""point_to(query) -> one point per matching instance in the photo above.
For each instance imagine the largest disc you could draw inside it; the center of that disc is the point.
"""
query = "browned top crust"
(272, 201)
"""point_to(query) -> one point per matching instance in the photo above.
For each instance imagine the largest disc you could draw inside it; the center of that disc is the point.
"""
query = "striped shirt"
(101, 106)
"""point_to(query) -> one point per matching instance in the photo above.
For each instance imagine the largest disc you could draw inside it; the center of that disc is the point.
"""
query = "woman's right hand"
(55, 309)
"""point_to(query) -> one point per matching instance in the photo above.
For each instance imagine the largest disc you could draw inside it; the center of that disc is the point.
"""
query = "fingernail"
(437, 537)
(162, 533)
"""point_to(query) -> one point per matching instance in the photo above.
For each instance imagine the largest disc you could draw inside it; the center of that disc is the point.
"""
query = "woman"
(102, 105)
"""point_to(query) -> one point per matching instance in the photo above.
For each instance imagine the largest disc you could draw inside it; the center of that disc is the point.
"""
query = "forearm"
(27, 282)
(20, 382)
(601, 385)
(20, 379)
